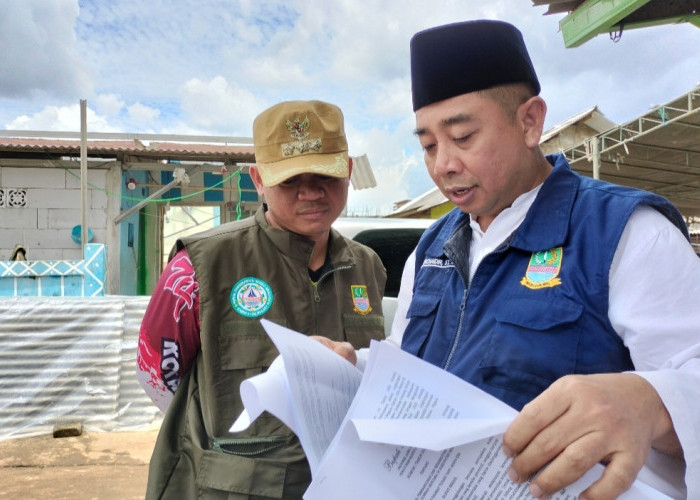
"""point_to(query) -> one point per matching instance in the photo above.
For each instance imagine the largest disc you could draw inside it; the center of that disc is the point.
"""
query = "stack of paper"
(402, 429)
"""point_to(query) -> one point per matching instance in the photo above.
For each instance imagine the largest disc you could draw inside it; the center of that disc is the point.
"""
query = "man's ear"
(349, 166)
(257, 180)
(532, 114)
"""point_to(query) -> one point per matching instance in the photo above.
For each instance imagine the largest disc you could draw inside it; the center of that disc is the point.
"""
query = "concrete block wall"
(47, 207)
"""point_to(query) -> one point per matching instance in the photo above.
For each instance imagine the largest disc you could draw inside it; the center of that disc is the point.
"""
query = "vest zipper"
(462, 310)
(317, 296)
(256, 445)
(314, 284)
(465, 297)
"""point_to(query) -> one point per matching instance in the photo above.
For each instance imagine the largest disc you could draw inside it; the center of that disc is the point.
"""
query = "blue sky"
(208, 67)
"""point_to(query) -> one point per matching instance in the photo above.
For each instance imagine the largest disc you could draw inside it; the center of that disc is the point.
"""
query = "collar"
(299, 247)
(555, 199)
(553, 205)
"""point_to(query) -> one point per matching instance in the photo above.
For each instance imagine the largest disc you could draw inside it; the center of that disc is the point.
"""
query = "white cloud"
(61, 119)
(390, 189)
(276, 72)
(397, 164)
(216, 105)
(38, 50)
(142, 115)
(109, 104)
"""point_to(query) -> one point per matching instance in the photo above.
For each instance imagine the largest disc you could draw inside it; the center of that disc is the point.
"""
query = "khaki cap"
(298, 137)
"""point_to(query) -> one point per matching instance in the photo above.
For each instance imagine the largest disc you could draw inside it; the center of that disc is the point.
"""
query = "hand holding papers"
(308, 387)
(403, 429)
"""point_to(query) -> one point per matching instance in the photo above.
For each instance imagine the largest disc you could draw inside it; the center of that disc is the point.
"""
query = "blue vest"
(537, 306)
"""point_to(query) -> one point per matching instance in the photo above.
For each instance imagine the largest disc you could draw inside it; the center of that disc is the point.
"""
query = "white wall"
(51, 208)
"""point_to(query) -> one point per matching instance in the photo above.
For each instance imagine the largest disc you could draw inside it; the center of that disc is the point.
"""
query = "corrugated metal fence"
(71, 359)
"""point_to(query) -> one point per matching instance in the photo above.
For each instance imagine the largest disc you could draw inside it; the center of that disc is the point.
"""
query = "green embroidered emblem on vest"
(360, 299)
(251, 297)
(543, 269)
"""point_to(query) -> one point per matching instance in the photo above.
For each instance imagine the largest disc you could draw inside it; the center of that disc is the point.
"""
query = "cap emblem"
(299, 130)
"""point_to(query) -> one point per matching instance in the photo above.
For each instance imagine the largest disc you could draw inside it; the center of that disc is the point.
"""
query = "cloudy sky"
(208, 67)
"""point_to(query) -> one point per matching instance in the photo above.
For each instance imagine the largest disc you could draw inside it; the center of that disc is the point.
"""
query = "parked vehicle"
(393, 240)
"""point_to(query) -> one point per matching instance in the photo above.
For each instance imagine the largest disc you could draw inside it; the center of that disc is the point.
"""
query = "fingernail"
(537, 492)
(508, 452)
(513, 475)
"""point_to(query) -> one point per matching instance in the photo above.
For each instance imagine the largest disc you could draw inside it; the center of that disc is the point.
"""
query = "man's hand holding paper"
(403, 429)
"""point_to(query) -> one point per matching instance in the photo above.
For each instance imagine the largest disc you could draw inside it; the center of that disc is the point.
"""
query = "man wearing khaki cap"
(201, 335)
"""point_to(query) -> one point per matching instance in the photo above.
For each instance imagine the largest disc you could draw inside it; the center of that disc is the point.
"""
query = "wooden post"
(84, 208)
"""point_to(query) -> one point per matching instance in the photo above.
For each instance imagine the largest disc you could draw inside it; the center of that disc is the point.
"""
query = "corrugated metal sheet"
(591, 117)
(134, 147)
(362, 176)
(223, 149)
(68, 360)
(424, 202)
(68, 146)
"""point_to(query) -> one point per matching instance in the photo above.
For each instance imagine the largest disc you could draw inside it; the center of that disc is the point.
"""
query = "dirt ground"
(94, 465)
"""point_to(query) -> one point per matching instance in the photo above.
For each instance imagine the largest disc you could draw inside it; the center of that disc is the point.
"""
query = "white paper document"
(402, 429)
(308, 387)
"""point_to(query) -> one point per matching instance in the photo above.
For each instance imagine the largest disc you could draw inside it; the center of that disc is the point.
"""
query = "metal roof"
(589, 18)
(592, 117)
(185, 148)
(421, 205)
(659, 151)
(151, 148)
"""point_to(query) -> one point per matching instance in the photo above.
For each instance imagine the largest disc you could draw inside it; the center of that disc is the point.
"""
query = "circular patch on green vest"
(251, 297)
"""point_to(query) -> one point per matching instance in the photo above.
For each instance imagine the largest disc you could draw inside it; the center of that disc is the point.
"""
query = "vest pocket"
(232, 473)
(421, 315)
(244, 344)
(533, 343)
(538, 315)
(359, 330)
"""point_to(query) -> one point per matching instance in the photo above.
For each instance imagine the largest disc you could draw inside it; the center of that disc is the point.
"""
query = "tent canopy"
(658, 151)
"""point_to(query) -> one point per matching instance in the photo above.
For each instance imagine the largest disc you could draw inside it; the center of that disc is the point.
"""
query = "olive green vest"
(195, 455)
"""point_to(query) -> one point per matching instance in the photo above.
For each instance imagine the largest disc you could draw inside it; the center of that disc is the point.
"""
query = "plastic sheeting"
(71, 359)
